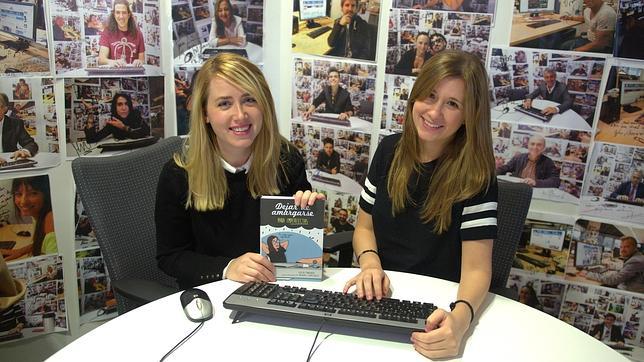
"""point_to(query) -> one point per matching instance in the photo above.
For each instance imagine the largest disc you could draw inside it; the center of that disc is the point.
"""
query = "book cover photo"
(291, 237)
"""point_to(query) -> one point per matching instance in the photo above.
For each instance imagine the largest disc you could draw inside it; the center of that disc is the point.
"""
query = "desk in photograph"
(357, 124)
(601, 208)
(505, 330)
(568, 119)
(10, 233)
(307, 45)
(149, 70)
(193, 56)
(347, 184)
(522, 33)
(43, 159)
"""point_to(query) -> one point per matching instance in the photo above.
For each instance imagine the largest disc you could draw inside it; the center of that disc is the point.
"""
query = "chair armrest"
(142, 291)
(338, 241)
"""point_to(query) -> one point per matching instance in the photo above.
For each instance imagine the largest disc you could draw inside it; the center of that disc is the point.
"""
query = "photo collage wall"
(333, 95)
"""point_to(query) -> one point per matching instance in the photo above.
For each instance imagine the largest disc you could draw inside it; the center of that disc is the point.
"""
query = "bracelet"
(365, 251)
(453, 305)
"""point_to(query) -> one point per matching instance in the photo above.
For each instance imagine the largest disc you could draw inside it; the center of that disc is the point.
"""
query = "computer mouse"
(23, 233)
(196, 305)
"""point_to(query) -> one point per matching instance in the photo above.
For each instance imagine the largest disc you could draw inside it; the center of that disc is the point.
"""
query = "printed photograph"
(339, 28)
(113, 115)
(203, 29)
(30, 125)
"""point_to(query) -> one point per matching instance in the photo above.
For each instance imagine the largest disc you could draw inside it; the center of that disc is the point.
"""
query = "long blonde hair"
(201, 156)
(466, 166)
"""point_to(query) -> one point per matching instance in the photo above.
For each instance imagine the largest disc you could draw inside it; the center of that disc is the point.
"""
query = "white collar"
(245, 167)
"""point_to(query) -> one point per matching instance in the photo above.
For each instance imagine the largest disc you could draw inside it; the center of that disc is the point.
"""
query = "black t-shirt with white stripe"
(407, 244)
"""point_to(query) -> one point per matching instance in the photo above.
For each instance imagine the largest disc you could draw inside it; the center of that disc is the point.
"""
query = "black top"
(277, 256)
(138, 129)
(327, 163)
(407, 244)
(341, 103)
(195, 246)
(406, 62)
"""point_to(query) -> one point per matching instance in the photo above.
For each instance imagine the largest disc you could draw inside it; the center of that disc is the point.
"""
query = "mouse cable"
(182, 341)
(311, 351)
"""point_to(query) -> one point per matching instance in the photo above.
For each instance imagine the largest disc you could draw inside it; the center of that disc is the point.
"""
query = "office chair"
(513, 204)
(118, 194)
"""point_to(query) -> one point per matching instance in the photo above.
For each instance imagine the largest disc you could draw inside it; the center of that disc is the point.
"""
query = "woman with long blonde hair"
(207, 208)
(429, 202)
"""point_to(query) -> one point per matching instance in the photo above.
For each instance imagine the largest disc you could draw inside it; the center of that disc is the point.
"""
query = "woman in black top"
(413, 59)
(126, 122)
(207, 208)
(275, 250)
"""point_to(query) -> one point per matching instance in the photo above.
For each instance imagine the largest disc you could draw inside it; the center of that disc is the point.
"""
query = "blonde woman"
(429, 202)
(207, 208)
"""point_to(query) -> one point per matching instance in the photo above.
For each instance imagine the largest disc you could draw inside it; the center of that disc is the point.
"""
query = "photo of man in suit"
(351, 36)
(14, 133)
(631, 276)
(551, 90)
(533, 167)
(632, 190)
(608, 331)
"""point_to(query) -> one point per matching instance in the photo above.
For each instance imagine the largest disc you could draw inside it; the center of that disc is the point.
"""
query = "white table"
(601, 208)
(357, 124)
(192, 56)
(568, 119)
(347, 185)
(505, 331)
(44, 159)
(150, 70)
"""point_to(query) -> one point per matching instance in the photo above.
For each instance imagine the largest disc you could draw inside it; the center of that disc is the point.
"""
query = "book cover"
(291, 237)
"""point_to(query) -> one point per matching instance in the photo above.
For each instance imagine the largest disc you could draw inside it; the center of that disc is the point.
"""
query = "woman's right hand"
(251, 267)
(372, 282)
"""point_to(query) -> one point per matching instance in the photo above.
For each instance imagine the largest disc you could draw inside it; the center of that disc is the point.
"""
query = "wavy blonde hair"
(201, 156)
(466, 166)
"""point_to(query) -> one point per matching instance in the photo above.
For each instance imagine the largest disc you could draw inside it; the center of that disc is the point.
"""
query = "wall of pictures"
(352, 93)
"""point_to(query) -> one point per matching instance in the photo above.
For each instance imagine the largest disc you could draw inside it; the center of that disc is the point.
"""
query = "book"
(291, 237)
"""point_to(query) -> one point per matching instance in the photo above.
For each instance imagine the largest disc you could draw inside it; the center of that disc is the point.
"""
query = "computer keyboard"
(628, 202)
(326, 180)
(126, 70)
(211, 52)
(534, 112)
(538, 24)
(387, 314)
(128, 144)
(533, 261)
(319, 31)
(330, 119)
(17, 164)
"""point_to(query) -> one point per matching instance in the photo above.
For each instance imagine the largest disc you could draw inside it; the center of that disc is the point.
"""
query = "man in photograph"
(534, 168)
(632, 190)
(600, 18)
(14, 133)
(552, 90)
(340, 223)
(328, 158)
(351, 36)
(608, 331)
(631, 276)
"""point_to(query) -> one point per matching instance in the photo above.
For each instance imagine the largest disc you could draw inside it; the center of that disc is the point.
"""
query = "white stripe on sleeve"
(365, 196)
(488, 206)
(489, 221)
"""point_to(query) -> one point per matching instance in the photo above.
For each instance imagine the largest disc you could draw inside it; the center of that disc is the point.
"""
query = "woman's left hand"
(442, 337)
(307, 198)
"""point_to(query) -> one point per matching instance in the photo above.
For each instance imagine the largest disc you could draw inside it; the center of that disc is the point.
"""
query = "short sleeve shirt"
(122, 45)
(405, 242)
(604, 20)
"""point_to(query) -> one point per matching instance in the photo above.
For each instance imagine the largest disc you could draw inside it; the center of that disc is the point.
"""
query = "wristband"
(453, 305)
(363, 252)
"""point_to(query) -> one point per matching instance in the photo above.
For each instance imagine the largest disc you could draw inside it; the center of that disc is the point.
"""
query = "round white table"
(504, 331)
